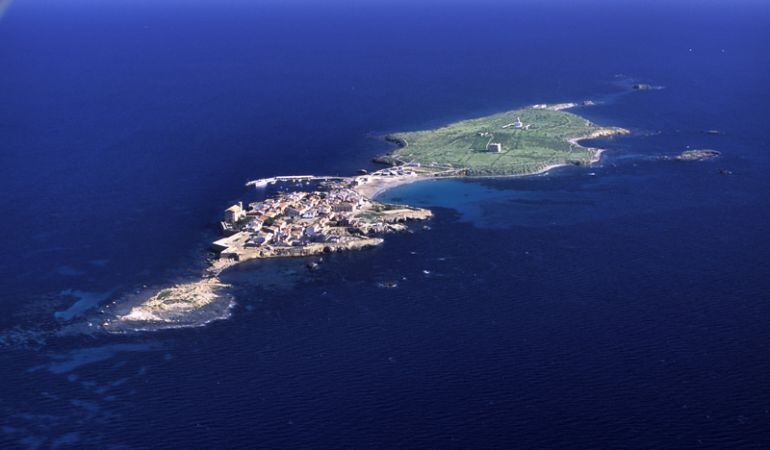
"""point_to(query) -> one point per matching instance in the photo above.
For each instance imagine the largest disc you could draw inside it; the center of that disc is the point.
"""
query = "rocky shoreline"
(183, 304)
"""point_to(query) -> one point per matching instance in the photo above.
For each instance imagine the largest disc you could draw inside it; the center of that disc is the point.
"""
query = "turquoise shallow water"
(476, 201)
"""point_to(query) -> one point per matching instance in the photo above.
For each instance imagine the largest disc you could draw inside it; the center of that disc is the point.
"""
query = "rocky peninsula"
(338, 215)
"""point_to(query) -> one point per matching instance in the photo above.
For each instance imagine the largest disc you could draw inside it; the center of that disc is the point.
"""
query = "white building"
(235, 213)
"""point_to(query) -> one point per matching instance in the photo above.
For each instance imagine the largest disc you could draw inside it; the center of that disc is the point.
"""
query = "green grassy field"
(463, 144)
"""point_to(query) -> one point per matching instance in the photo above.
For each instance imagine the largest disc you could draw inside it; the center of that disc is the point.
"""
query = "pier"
(263, 182)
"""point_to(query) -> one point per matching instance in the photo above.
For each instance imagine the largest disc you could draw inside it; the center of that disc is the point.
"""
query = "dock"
(263, 182)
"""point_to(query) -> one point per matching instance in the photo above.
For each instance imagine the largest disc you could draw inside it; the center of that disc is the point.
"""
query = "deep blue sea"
(625, 305)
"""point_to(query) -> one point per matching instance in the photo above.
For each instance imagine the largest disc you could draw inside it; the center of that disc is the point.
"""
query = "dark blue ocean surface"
(623, 305)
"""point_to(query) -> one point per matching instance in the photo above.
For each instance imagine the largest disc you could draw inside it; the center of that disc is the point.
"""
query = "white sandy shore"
(377, 187)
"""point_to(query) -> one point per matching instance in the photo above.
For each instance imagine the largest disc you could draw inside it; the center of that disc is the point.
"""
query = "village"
(334, 217)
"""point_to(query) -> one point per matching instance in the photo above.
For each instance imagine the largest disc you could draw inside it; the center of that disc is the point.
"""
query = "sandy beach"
(382, 184)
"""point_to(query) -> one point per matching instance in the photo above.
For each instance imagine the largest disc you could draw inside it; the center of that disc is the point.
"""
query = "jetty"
(263, 182)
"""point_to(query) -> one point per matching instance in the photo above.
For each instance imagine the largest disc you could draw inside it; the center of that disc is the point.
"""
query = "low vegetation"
(531, 139)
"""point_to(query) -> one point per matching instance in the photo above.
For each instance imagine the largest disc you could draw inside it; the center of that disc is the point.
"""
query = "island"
(315, 215)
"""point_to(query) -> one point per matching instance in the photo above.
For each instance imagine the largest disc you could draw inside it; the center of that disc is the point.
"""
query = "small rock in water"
(697, 155)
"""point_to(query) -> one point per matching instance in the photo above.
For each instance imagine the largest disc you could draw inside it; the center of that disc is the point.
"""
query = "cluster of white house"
(296, 218)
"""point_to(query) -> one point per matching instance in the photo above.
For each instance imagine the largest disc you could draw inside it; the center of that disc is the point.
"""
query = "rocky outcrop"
(172, 306)
(698, 155)
(396, 140)
(388, 159)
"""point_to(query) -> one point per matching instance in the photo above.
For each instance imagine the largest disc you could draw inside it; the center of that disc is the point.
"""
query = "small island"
(698, 155)
(313, 215)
